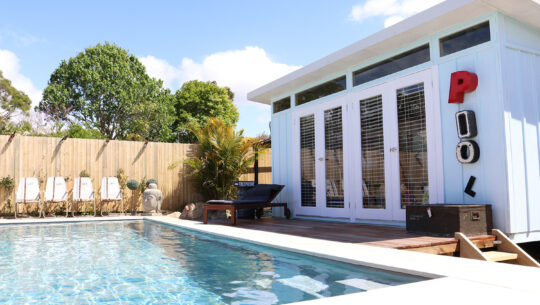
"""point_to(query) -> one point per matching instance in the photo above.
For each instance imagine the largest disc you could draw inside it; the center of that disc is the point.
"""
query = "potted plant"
(151, 180)
(122, 181)
(7, 184)
(133, 185)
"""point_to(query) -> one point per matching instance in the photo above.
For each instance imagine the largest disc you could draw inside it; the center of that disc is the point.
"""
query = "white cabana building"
(443, 107)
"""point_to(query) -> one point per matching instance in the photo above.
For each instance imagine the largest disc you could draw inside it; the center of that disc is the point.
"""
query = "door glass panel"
(412, 145)
(372, 140)
(307, 160)
(333, 138)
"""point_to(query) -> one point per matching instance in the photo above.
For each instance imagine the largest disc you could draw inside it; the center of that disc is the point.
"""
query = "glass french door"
(369, 153)
(321, 170)
(392, 147)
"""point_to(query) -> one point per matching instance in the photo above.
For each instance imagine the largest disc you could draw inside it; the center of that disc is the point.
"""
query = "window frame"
(335, 80)
(425, 46)
(481, 25)
(285, 99)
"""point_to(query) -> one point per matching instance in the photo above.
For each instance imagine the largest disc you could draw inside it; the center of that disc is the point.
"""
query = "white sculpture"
(152, 199)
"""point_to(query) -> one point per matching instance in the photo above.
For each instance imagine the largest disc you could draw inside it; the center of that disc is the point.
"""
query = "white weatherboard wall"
(507, 108)
(282, 156)
(520, 52)
(487, 103)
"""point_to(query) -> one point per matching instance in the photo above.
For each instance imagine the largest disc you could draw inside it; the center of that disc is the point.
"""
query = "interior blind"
(333, 138)
(307, 160)
(412, 145)
(372, 141)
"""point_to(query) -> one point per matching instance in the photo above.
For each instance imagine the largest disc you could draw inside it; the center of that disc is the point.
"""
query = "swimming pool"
(145, 262)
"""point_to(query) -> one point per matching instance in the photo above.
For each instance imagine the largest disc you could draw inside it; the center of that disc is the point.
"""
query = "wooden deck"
(371, 235)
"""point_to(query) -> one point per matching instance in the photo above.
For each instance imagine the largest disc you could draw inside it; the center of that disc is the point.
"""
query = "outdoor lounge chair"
(83, 191)
(110, 191)
(55, 191)
(28, 192)
(258, 197)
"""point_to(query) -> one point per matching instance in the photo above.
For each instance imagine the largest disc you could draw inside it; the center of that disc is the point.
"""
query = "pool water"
(144, 262)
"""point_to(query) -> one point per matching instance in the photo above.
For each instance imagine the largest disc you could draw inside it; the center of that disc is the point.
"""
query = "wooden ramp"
(503, 250)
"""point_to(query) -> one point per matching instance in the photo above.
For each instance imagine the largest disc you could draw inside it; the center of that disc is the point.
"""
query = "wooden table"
(234, 207)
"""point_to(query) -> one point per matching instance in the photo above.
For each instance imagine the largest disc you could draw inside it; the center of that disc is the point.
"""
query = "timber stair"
(504, 250)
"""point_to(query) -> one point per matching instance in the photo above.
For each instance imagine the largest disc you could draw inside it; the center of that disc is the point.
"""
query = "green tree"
(222, 157)
(11, 101)
(22, 127)
(107, 89)
(78, 131)
(198, 101)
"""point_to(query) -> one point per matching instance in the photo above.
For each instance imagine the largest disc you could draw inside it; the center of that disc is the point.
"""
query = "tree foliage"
(78, 131)
(107, 89)
(222, 157)
(11, 101)
(196, 102)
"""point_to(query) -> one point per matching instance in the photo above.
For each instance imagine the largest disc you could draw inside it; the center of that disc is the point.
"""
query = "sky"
(239, 44)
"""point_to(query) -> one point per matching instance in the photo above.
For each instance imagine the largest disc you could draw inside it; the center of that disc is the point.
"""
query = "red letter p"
(461, 82)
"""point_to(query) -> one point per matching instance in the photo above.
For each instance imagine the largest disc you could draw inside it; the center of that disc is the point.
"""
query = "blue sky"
(240, 44)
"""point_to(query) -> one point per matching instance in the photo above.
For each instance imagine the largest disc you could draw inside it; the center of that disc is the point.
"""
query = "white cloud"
(241, 70)
(393, 10)
(20, 39)
(9, 65)
(161, 69)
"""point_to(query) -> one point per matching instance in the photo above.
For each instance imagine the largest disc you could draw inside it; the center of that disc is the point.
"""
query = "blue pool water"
(142, 262)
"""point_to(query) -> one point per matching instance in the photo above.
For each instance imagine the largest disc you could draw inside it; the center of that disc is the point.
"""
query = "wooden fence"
(265, 169)
(44, 157)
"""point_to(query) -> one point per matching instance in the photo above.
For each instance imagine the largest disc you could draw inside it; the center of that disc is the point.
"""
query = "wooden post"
(256, 165)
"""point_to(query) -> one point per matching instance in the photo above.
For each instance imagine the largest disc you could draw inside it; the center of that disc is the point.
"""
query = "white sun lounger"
(28, 192)
(83, 191)
(110, 191)
(56, 191)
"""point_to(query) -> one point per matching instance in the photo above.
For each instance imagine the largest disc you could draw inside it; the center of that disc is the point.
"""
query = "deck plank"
(371, 235)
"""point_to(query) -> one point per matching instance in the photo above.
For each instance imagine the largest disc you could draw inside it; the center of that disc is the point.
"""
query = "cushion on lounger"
(220, 201)
(235, 201)
(262, 192)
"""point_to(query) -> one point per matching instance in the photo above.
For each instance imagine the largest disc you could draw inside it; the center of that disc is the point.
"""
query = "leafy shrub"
(122, 179)
(132, 184)
(223, 156)
(7, 183)
(151, 180)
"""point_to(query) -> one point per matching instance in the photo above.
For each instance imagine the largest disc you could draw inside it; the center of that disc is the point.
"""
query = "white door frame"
(388, 89)
(352, 160)
(320, 164)
(354, 100)
(433, 124)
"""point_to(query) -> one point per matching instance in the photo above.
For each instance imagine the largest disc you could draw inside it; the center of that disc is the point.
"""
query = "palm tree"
(222, 157)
